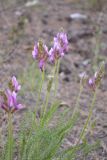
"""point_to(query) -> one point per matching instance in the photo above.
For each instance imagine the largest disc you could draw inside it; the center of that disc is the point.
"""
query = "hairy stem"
(45, 105)
(57, 65)
(39, 94)
(78, 98)
(88, 119)
(10, 137)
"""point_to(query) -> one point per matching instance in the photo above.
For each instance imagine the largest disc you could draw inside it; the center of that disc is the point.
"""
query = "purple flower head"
(10, 98)
(52, 55)
(95, 81)
(92, 83)
(15, 84)
(41, 64)
(59, 50)
(40, 53)
(62, 40)
(55, 53)
(8, 101)
(83, 75)
(35, 51)
(59, 47)
(83, 78)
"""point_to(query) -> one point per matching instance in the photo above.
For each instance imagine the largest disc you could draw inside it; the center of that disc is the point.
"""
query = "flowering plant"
(9, 97)
(38, 140)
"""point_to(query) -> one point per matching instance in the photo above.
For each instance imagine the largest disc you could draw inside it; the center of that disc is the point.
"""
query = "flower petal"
(19, 106)
(15, 84)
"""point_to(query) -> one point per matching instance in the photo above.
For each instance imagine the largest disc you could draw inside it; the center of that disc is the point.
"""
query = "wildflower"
(83, 77)
(8, 98)
(40, 53)
(15, 85)
(55, 53)
(35, 52)
(59, 47)
(41, 64)
(8, 101)
(96, 79)
(52, 55)
(62, 40)
(92, 83)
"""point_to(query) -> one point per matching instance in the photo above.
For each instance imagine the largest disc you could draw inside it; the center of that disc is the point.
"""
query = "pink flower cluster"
(95, 81)
(8, 98)
(42, 53)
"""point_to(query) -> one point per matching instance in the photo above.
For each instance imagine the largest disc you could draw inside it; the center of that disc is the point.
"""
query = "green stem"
(75, 110)
(87, 122)
(40, 89)
(88, 119)
(10, 136)
(45, 105)
(39, 94)
(57, 65)
(97, 41)
(78, 98)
